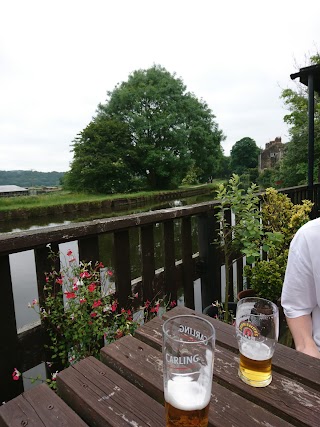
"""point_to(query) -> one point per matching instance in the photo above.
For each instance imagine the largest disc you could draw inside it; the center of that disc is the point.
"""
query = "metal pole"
(310, 135)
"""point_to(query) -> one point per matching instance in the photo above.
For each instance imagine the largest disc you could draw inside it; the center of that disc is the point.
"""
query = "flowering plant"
(80, 312)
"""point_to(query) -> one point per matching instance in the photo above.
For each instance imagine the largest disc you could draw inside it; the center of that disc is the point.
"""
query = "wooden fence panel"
(122, 266)
(148, 261)
(89, 249)
(187, 265)
(170, 286)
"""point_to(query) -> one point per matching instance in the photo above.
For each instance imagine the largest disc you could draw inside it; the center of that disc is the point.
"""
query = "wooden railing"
(202, 260)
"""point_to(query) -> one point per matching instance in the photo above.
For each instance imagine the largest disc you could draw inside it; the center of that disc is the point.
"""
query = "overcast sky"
(59, 58)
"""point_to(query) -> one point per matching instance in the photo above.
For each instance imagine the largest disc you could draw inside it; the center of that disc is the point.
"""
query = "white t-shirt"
(301, 287)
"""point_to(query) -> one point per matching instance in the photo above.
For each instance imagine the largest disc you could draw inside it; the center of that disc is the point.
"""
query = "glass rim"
(251, 299)
(191, 316)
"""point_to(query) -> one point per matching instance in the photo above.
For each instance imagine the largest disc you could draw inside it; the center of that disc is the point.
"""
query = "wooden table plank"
(39, 406)
(104, 398)
(142, 365)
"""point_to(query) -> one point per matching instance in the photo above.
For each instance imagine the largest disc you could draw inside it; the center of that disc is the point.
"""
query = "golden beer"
(184, 418)
(255, 363)
(187, 403)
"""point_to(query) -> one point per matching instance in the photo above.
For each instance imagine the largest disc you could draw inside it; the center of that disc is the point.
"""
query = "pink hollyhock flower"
(114, 306)
(34, 301)
(96, 303)
(82, 300)
(173, 304)
(93, 314)
(70, 295)
(69, 252)
(75, 287)
(47, 279)
(100, 265)
(109, 273)
(16, 374)
(92, 287)
(59, 281)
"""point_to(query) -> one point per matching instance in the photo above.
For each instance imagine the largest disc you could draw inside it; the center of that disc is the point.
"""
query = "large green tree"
(244, 156)
(294, 167)
(171, 131)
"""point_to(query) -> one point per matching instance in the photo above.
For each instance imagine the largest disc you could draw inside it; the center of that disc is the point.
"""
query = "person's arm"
(301, 329)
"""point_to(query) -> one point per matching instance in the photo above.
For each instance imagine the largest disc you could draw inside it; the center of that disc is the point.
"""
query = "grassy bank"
(65, 198)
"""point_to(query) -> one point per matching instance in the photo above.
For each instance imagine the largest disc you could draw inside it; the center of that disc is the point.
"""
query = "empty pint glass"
(257, 329)
(188, 355)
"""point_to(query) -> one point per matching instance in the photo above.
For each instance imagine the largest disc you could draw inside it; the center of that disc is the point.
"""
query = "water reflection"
(24, 224)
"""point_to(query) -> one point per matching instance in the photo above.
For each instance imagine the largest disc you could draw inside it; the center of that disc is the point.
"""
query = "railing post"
(9, 354)
(122, 267)
(209, 254)
(170, 284)
(187, 265)
(148, 262)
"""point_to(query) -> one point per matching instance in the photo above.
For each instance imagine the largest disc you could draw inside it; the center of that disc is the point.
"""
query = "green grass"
(65, 197)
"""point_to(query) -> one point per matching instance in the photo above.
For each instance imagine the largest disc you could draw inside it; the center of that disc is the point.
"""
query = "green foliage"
(281, 215)
(101, 162)
(270, 178)
(245, 233)
(281, 219)
(244, 156)
(269, 229)
(266, 276)
(294, 167)
(225, 167)
(150, 132)
(192, 176)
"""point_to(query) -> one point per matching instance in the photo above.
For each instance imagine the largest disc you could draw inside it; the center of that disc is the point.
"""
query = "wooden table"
(126, 389)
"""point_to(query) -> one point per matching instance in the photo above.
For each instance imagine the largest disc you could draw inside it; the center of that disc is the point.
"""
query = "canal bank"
(107, 204)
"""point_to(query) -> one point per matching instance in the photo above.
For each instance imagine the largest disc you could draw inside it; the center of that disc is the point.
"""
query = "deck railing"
(202, 260)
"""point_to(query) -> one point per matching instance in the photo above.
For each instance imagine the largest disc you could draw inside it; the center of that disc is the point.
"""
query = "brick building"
(272, 153)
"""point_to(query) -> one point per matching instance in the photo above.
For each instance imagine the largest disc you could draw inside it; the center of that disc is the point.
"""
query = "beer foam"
(255, 350)
(187, 395)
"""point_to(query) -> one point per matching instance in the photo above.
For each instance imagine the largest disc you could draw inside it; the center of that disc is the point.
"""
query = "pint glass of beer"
(188, 355)
(257, 330)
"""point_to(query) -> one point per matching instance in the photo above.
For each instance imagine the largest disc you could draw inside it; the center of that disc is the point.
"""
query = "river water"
(23, 266)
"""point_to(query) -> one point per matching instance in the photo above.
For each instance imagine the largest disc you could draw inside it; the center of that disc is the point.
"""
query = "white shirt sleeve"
(299, 294)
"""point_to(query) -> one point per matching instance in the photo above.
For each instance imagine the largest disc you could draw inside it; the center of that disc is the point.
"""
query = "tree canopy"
(150, 132)
(294, 167)
(101, 157)
(244, 156)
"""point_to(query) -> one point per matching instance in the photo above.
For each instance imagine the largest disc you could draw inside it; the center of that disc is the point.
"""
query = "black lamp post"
(310, 77)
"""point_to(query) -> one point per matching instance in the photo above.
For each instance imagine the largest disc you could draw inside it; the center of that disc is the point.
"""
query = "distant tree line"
(31, 178)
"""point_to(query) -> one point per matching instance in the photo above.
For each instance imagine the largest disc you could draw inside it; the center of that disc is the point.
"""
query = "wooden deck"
(126, 388)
